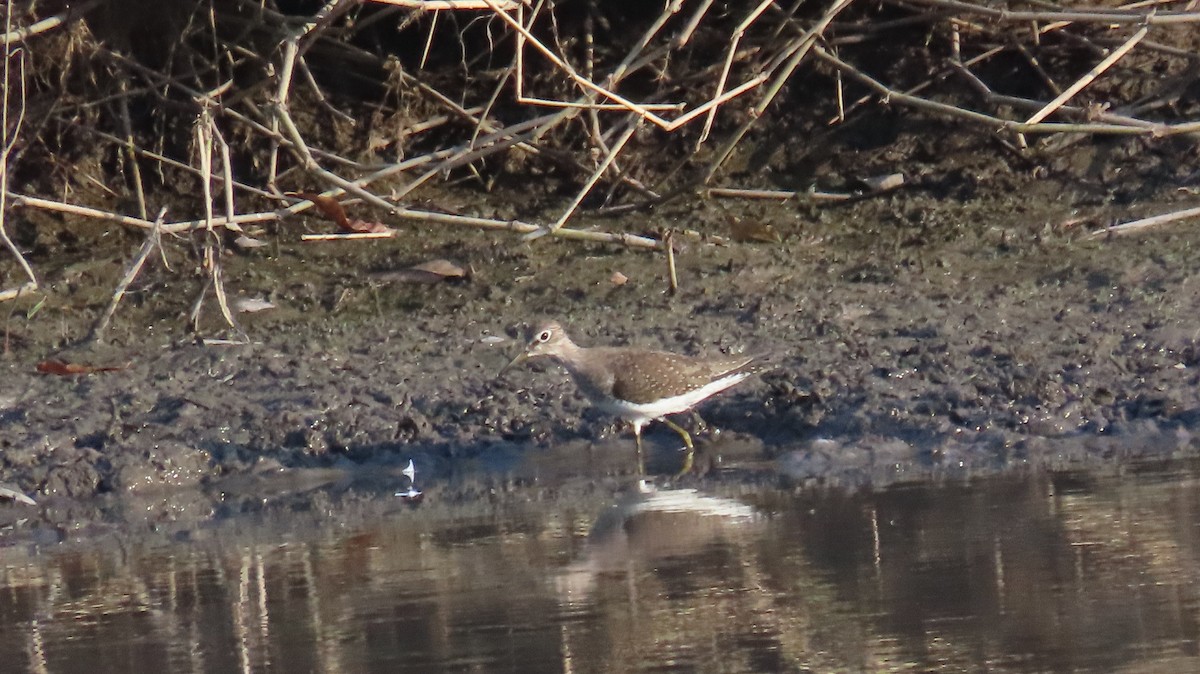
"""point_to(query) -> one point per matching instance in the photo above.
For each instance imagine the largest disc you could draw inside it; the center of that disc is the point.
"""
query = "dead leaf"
(333, 210)
(884, 183)
(250, 305)
(433, 271)
(752, 232)
(618, 279)
(444, 268)
(247, 242)
(364, 227)
(62, 368)
(329, 206)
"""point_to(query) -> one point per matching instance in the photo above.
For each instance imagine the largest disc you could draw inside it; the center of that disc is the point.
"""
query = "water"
(1042, 573)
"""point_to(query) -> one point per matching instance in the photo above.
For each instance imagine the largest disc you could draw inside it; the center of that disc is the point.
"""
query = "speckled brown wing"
(647, 376)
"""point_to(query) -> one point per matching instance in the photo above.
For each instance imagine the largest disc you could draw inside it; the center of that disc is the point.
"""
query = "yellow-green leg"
(687, 441)
(637, 437)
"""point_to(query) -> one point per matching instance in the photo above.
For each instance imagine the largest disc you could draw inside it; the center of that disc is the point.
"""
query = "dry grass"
(229, 105)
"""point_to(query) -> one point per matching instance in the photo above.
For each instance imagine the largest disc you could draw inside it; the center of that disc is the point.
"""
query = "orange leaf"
(364, 227)
(331, 207)
(54, 366)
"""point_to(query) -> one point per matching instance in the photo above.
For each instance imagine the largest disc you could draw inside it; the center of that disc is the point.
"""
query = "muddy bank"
(918, 336)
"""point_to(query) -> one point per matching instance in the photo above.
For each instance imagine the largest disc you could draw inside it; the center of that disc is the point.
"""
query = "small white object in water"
(408, 493)
(410, 471)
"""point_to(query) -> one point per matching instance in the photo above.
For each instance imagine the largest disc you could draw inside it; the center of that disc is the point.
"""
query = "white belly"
(640, 413)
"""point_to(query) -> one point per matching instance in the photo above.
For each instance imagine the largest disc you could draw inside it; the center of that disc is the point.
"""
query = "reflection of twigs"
(131, 272)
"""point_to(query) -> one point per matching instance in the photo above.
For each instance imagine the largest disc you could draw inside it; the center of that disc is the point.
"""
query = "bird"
(640, 385)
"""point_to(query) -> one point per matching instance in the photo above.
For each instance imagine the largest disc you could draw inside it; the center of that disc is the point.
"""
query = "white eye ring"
(543, 336)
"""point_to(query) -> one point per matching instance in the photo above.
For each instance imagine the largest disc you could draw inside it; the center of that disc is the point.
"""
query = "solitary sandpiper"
(640, 385)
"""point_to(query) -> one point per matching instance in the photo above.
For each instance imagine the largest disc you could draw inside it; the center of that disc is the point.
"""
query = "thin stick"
(631, 240)
(227, 182)
(8, 142)
(587, 187)
(131, 272)
(200, 96)
(1003, 124)
(149, 154)
(672, 276)
(205, 131)
(1144, 223)
(618, 73)
(1029, 104)
(428, 41)
(799, 49)
(525, 35)
(439, 5)
(353, 188)
(1088, 77)
(11, 36)
(1103, 16)
(731, 52)
(685, 35)
(490, 146)
(135, 168)
(347, 236)
(780, 195)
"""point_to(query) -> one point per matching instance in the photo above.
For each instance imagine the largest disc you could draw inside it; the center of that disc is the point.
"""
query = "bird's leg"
(701, 425)
(637, 437)
(687, 441)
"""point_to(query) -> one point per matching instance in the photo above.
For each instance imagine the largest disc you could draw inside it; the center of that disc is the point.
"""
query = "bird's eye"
(543, 336)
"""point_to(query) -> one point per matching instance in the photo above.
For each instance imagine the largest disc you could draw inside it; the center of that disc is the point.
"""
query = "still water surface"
(1037, 573)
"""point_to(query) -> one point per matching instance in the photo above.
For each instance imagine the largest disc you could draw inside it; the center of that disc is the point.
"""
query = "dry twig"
(11, 131)
(131, 271)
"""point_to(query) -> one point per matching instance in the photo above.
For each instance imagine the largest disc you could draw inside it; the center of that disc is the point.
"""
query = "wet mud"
(965, 323)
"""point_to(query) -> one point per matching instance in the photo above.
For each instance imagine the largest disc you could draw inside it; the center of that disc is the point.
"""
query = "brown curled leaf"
(63, 368)
(433, 271)
(329, 206)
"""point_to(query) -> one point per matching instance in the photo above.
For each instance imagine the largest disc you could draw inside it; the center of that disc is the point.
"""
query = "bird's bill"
(521, 358)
